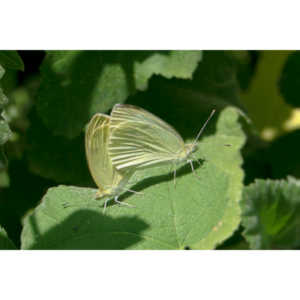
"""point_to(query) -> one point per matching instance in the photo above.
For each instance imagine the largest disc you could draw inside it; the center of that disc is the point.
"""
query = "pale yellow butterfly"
(140, 140)
(111, 182)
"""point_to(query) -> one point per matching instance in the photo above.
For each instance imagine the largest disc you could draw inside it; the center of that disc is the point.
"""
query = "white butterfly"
(140, 140)
(110, 181)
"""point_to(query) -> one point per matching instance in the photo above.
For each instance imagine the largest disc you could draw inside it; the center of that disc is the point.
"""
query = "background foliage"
(245, 193)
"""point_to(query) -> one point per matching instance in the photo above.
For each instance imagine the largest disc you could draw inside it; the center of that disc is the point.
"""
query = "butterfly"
(110, 181)
(139, 140)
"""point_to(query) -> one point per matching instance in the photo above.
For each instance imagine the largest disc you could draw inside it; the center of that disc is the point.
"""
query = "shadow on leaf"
(147, 182)
(88, 229)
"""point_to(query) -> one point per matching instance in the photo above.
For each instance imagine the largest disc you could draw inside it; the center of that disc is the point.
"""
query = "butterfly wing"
(140, 139)
(104, 174)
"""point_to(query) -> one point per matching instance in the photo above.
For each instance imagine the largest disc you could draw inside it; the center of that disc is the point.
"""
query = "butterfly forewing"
(139, 139)
(130, 113)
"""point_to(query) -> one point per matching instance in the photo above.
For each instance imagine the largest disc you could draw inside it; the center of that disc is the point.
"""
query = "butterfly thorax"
(119, 182)
(111, 192)
(188, 149)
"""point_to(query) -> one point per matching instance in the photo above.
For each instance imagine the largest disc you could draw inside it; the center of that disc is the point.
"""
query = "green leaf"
(179, 64)
(290, 80)
(5, 242)
(271, 214)
(11, 60)
(77, 84)
(199, 212)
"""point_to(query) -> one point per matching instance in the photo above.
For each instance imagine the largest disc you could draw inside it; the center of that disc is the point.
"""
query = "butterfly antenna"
(203, 127)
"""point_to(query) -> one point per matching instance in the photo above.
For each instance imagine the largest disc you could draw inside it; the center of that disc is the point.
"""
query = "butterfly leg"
(105, 205)
(197, 160)
(193, 170)
(174, 177)
(122, 203)
(135, 192)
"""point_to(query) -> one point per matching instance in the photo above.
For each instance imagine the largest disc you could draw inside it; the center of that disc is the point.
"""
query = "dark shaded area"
(32, 61)
(257, 165)
(5, 242)
(89, 230)
(24, 193)
(246, 69)
(234, 242)
(26, 189)
(290, 80)
(275, 160)
(283, 155)
(56, 157)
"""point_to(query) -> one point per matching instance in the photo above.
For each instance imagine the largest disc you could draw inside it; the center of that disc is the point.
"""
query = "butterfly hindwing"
(107, 178)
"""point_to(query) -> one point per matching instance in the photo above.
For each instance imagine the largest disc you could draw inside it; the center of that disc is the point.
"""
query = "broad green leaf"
(11, 60)
(199, 212)
(179, 64)
(5, 242)
(77, 84)
(271, 214)
(290, 79)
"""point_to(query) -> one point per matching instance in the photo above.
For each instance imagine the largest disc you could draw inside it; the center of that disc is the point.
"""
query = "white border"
(149, 25)
(149, 275)
(152, 24)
